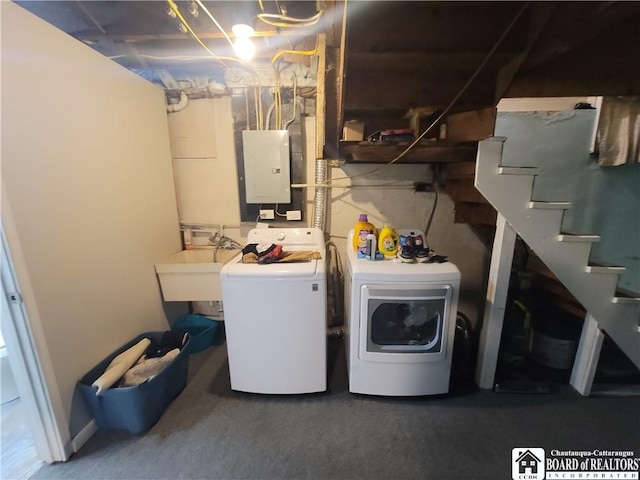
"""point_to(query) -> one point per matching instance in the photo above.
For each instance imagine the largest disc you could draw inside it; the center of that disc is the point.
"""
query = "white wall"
(401, 207)
(87, 179)
(204, 162)
(213, 193)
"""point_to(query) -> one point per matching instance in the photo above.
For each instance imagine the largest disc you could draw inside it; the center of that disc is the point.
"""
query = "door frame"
(25, 343)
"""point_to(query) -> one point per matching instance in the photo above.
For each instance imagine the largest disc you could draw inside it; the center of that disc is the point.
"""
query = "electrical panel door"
(267, 176)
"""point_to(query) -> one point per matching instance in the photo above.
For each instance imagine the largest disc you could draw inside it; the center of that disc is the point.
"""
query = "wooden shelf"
(425, 152)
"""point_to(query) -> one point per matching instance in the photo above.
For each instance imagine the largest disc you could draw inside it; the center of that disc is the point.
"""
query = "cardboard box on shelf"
(353, 130)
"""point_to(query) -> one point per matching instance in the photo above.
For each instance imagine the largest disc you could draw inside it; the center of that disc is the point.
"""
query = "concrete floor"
(19, 459)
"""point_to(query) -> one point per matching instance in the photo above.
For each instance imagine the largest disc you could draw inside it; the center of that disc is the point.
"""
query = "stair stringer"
(510, 194)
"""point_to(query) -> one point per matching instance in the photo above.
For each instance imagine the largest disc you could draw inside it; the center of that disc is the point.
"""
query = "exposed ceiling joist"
(540, 15)
(398, 54)
(578, 26)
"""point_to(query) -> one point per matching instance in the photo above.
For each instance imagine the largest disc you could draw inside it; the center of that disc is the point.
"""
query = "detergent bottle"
(388, 241)
(360, 232)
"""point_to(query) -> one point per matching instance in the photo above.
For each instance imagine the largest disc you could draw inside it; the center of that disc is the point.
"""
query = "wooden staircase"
(471, 206)
(508, 189)
(473, 209)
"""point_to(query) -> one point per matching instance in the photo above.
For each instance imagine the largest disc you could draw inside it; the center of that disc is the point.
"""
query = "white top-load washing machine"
(275, 317)
(400, 323)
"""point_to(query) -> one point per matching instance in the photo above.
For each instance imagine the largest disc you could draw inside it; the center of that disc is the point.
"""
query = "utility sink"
(193, 275)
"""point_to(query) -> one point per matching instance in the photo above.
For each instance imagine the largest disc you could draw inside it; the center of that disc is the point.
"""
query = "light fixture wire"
(213, 19)
(257, 96)
(175, 9)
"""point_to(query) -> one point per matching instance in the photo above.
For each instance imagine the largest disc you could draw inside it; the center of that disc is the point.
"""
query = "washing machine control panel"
(287, 236)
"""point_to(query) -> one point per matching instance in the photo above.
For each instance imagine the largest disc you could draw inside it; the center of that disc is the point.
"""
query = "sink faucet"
(215, 240)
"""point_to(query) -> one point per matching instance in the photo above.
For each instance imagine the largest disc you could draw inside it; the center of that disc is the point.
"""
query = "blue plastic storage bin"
(137, 408)
(204, 331)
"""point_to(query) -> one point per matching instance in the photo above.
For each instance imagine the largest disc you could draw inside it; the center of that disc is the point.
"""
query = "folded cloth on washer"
(119, 365)
(261, 253)
(258, 248)
(147, 368)
(270, 254)
(302, 256)
(250, 257)
(250, 248)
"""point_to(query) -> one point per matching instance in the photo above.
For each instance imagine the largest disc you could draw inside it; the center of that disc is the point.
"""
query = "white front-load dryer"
(275, 317)
(399, 325)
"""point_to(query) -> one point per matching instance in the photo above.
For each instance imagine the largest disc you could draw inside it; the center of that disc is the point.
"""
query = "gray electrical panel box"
(267, 177)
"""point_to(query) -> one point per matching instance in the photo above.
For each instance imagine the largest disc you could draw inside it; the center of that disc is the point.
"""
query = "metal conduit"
(320, 198)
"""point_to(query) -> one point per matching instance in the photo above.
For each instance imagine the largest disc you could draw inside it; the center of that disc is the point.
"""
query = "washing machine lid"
(292, 240)
(235, 268)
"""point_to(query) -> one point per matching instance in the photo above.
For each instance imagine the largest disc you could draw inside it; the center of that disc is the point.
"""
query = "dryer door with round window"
(404, 323)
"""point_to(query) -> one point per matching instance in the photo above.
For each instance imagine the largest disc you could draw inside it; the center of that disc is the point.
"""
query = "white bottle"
(370, 248)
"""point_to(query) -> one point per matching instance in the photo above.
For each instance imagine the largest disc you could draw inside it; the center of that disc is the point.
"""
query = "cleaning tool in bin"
(119, 365)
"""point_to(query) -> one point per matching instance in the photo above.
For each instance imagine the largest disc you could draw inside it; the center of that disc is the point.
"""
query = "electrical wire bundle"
(277, 20)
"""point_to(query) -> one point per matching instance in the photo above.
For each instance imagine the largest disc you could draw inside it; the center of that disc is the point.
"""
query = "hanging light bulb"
(243, 45)
(242, 30)
(244, 48)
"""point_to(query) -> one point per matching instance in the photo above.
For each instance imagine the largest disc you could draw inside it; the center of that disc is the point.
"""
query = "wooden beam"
(497, 289)
(334, 78)
(452, 26)
(461, 170)
(321, 95)
(475, 213)
(580, 25)
(419, 61)
(464, 191)
(341, 69)
(587, 356)
(471, 126)
(415, 114)
(427, 152)
(148, 37)
(485, 233)
(332, 95)
(608, 65)
(541, 14)
(385, 89)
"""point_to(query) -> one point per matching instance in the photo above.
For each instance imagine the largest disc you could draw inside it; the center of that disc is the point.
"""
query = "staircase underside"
(509, 189)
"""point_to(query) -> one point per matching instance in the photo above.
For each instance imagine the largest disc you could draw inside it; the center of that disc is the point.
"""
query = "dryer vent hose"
(336, 332)
(320, 199)
(463, 325)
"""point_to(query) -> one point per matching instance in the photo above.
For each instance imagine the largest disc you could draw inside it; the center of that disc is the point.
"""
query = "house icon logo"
(527, 463)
